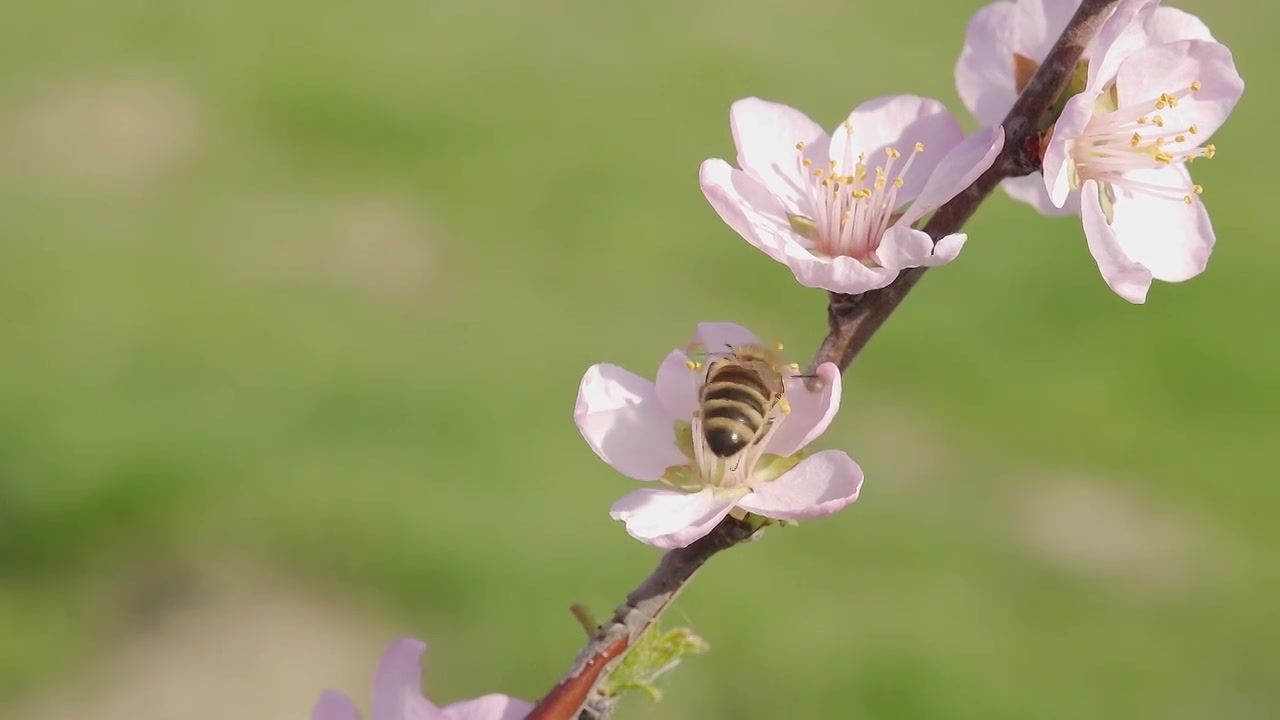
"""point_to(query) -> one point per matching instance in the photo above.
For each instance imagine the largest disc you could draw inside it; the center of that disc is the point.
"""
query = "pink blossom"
(650, 431)
(397, 694)
(1005, 43)
(1125, 141)
(837, 209)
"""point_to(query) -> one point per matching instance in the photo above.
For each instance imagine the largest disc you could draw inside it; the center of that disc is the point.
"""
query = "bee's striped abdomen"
(735, 405)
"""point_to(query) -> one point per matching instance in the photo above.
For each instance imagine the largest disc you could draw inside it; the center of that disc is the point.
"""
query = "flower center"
(850, 204)
(1118, 140)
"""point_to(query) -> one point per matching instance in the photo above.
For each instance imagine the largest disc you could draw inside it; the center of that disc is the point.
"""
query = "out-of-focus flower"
(397, 694)
(652, 431)
(837, 210)
(1005, 43)
(1125, 141)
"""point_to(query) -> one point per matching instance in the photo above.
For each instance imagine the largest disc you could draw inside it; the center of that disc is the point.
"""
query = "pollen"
(800, 146)
(1159, 121)
(1193, 129)
(919, 147)
(897, 182)
(794, 366)
(1195, 86)
(692, 365)
(1197, 189)
(892, 153)
(1135, 140)
(1143, 120)
(1180, 138)
(1210, 151)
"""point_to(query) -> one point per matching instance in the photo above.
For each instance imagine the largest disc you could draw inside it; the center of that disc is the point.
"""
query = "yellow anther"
(892, 152)
(879, 183)
(1193, 129)
(832, 163)
(691, 365)
(1210, 151)
(1173, 101)
(794, 366)
(919, 147)
(1160, 105)
(848, 127)
(817, 172)
(807, 162)
(1159, 121)
(1186, 199)
(884, 206)
(1142, 120)
(897, 182)
(1195, 86)
(1135, 140)
(1180, 138)
(1164, 157)
(1197, 189)
(1159, 142)
(800, 146)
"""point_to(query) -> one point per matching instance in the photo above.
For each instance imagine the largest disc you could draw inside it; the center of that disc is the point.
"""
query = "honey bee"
(738, 396)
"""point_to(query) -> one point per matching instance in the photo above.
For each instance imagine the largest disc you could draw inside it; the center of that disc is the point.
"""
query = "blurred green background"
(295, 297)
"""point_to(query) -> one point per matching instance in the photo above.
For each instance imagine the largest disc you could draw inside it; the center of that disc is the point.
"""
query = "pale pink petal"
(811, 412)
(1129, 280)
(718, 336)
(397, 685)
(677, 386)
(899, 122)
(903, 247)
(747, 206)
(1172, 239)
(984, 72)
(1030, 190)
(1121, 34)
(489, 707)
(1168, 24)
(333, 705)
(765, 134)
(820, 485)
(1174, 66)
(841, 274)
(957, 171)
(1056, 165)
(670, 519)
(1039, 23)
(621, 417)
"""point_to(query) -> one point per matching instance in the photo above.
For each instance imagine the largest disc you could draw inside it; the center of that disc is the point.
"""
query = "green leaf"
(656, 652)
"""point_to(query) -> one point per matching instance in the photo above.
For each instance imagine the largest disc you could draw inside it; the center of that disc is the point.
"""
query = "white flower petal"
(1172, 239)
(334, 705)
(1129, 280)
(984, 72)
(820, 485)
(765, 134)
(623, 420)
(811, 412)
(489, 707)
(956, 171)
(669, 519)
(397, 685)
(899, 122)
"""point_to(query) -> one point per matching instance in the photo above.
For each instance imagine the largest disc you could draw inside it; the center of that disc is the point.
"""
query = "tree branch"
(853, 319)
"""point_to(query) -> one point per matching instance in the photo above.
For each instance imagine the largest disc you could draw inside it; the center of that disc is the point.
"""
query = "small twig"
(853, 319)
